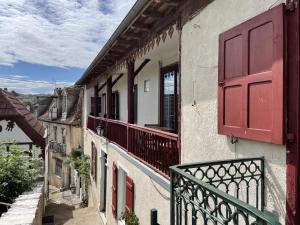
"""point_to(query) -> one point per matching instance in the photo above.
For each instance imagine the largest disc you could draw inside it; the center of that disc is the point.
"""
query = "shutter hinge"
(291, 6)
(221, 83)
(290, 137)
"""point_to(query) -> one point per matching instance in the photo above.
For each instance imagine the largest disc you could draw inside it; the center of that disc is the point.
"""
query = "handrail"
(152, 147)
(154, 131)
(138, 127)
(188, 180)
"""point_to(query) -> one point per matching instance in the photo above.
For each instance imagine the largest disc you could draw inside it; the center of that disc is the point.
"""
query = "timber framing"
(147, 23)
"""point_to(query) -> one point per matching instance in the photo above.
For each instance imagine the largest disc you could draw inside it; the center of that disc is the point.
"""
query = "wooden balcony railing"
(157, 149)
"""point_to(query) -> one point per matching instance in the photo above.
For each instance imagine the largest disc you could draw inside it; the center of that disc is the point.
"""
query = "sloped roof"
(75, 112)
(11, 108)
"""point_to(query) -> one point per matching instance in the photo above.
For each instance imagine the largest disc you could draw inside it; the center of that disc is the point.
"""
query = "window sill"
(121, 222)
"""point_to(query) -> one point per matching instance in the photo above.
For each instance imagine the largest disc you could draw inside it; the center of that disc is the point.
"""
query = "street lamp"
(100, 129)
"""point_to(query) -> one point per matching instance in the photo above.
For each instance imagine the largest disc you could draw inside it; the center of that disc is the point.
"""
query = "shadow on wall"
(62, 212)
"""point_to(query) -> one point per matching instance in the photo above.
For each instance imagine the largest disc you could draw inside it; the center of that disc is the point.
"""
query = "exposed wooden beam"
(154, 15)
(101, 87)
(113, 83)
(140, 26)
(117, 79)
(127, 42)
(144, 63)
(133, 36)
(167, 2)
(130, 97)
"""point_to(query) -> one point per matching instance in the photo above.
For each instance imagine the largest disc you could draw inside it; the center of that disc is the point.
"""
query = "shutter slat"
(251, 78)
(129, 194)
(114, 189)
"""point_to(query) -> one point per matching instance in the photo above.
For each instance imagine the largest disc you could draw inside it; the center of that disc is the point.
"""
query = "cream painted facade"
(151, 190)
(17, 134)
(196, 48)
(73, 139)
(199, 79)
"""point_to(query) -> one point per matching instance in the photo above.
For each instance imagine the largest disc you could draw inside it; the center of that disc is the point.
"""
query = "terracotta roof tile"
(11, 108)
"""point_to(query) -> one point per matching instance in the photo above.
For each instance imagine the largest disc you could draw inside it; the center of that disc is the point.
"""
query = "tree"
(18, 172)
(81, 163)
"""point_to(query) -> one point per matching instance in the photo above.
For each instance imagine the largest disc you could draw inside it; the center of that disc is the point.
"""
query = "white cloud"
(62, 33)
(26, 86)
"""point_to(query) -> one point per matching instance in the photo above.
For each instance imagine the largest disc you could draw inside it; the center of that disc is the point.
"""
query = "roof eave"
(132, 14)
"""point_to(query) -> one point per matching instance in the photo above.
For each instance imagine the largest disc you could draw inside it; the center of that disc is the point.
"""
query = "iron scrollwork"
(219, 193)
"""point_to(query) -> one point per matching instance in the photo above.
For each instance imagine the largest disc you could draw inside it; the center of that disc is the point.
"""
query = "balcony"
(157, 149)
(57, 147)
(227, 192)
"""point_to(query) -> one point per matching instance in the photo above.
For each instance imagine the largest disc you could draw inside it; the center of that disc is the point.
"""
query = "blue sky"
(48, 43)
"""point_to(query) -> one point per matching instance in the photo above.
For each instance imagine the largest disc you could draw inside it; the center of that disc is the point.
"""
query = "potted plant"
(130, 218)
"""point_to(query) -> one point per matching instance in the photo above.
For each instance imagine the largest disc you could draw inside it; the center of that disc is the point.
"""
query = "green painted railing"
(229, 192)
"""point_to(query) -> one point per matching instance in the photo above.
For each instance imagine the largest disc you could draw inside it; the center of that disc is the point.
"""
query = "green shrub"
(130, 218)
(18, 172)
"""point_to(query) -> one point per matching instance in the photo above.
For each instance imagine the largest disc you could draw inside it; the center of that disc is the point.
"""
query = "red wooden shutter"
(251, 78)
(114, 189)
(95, 164)
(92, 161)
(129, 194)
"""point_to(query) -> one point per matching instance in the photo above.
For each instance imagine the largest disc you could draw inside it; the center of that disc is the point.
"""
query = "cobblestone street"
(64, 206)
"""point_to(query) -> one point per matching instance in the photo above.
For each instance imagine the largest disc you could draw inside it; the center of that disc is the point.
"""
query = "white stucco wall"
(200, 139)
(16, 134)
(148, 102)
(148, 194)
(73, 140)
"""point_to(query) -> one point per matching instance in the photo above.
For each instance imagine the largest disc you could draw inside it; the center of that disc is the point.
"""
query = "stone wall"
(27, 209)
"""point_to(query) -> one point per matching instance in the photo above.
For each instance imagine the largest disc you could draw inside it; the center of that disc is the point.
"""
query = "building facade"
(62, 121)
(18, 125)
(209, 89)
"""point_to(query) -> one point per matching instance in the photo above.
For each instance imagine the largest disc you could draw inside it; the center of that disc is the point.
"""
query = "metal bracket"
(233, 139)
(291, 5)
(221, 83)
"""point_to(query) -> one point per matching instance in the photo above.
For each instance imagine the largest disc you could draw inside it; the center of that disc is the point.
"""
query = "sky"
(49, 43)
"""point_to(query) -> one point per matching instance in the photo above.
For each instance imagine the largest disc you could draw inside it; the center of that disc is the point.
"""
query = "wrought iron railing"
(57, 147)
(229, 192)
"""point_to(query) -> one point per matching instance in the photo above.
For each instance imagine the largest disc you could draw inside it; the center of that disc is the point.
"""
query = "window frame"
(164, 70)
(58, 164)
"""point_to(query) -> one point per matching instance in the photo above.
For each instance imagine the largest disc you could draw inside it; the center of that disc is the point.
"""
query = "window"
(251, 77)
(168, 105)
(63, 136)
(103, 105)
(55, 133)
(103, 191)
(122, 192)
(115, 105)
(146, 86)
(94, 162)
(135, 103)
(99, 106)
(58, 167)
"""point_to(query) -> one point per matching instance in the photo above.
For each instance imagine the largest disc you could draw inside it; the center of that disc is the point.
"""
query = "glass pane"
(169, 99)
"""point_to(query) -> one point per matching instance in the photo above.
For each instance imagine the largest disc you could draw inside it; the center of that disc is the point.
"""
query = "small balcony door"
(103, 110)
(135, 103)
(116, 105)
(168, 97)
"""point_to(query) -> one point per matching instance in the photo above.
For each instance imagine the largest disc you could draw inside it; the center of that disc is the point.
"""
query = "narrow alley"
(64, 209)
